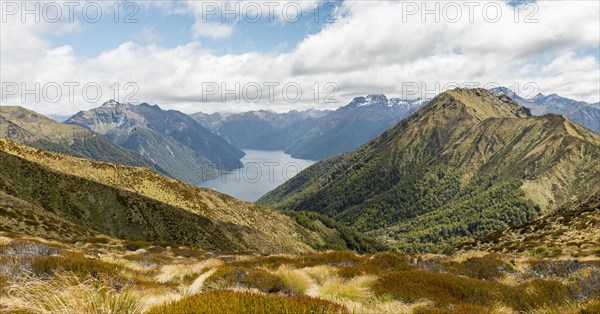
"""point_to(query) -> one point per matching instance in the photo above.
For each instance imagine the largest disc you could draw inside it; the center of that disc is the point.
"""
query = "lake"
(263, 171)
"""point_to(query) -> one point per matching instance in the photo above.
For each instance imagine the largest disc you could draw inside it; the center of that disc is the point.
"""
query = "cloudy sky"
(281, 55)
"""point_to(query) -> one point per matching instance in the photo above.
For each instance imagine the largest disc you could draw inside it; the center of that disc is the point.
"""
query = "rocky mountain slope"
(580, 112)
(469, 163)
(30, 128)
(171, 139)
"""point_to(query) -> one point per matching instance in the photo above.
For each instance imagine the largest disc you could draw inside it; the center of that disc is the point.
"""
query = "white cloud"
(213, 30)
(370, 50)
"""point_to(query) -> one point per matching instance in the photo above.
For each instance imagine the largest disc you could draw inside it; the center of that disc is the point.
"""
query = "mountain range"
(263, 129)
(581, 112)
(171, 139)
(312, 134)
(30, 128)
(469, 163)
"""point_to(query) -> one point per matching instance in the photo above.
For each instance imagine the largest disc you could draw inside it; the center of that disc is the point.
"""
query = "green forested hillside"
(469, 163)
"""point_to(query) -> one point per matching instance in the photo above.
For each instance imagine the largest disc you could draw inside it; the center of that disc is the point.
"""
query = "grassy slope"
(469, 163)
(135, 203)
(26, 218)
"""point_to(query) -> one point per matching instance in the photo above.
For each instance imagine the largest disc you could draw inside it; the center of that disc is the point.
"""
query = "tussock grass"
(75, 263)
(355, 289)
(178, 272)
(320, 273)
(67, 293)
(296, 281)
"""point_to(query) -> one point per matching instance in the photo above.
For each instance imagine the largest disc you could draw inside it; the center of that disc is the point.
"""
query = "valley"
(470, 204)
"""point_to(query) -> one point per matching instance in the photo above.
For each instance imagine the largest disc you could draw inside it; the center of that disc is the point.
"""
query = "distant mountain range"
(171, 139)
(261, 129)
(312, 134)
(469, 163)
(580, 112)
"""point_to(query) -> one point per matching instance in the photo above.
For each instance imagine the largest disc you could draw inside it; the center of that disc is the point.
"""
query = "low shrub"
(489, 267)
(443, 289)
(462, 308)
(535, 294)
(23, 248)
(187, 252)
(377, 264)
(75, 263)
(146, 260)
(447, 289)
(136, 245)
(4, 282)
(589, 285)
(591, 308)
(226, 302)
(555, 268)
(262, 280)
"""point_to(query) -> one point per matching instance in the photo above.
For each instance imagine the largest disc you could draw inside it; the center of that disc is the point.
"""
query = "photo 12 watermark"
(269, 11)
(255, 172)
(68, 92)
(69, 11)
(467, 11)
(269, 92)
(429, 90)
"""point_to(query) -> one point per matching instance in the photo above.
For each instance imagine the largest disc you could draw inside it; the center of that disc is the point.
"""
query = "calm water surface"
(263, 171)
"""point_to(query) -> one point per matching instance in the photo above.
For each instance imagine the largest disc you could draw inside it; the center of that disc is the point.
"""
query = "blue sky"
(175, 48)
(170, 29)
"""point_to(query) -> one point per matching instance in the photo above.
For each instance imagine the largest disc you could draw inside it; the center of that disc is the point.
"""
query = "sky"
(62, 57)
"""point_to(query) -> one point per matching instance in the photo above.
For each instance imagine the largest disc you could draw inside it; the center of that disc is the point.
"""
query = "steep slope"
(345, 129)
(573, 230)
(468, 163)
(580, 112)
(173, 140)
(26, 218)
(138, 204)
(30, 128)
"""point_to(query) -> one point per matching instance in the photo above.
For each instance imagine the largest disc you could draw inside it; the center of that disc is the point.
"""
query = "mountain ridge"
(33, 129)
(469, 151)
(173, 140)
